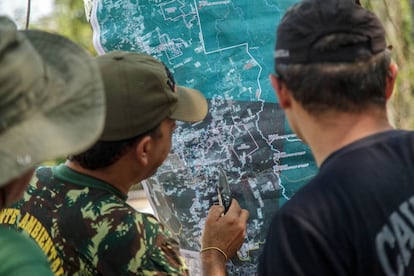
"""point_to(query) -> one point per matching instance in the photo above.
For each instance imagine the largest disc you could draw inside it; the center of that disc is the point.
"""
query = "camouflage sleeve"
(161, 256)
(132, 243)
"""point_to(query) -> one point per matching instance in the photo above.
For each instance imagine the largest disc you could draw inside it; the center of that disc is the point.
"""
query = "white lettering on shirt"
(397, 236)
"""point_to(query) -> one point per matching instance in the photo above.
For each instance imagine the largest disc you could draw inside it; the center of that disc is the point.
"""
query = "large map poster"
(225, 49)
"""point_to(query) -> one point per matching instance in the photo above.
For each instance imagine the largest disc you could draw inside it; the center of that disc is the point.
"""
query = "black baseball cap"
(356, 33)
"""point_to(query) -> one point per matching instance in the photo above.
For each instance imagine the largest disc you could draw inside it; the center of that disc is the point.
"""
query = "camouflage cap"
(141, 93)
(51, 99)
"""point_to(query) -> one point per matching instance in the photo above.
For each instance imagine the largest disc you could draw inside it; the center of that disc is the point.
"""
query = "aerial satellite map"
(224, 49)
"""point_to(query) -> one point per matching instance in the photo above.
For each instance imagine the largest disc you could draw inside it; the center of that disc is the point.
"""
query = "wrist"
(213, 255)
(213, 263)
(215, 249)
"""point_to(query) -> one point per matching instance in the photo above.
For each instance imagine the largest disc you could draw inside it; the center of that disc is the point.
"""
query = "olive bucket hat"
(51, 99)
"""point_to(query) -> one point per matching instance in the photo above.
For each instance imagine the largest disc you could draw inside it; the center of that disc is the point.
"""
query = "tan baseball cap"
(141, 93)
(51, 99)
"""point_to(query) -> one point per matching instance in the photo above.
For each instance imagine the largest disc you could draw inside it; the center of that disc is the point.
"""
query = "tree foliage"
(398, 22)
(68, 19)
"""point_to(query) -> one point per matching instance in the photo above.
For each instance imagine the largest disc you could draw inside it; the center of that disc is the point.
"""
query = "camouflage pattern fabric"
(85, 227)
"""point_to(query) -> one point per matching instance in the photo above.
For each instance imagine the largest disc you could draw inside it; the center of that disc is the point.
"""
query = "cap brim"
(71, 116)
(191, 105)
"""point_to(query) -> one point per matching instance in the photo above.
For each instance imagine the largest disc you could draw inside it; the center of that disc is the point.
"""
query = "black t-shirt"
(356, 217)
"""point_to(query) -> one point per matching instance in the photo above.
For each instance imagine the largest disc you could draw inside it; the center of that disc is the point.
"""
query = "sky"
(16, 9)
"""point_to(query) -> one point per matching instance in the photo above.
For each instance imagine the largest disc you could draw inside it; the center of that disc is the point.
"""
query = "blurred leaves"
(68, 19)
(397, 17)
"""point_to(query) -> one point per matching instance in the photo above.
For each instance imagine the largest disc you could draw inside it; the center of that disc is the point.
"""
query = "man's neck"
(113, 175)
(333, 131)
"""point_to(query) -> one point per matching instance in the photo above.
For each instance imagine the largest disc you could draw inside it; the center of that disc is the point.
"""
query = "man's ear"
(282, 93)
(390, 80)
(143, 149)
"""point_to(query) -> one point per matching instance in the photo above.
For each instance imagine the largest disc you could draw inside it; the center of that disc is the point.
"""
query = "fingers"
(244, 215)
(215, 213)
(234, 206)
(225, 232)
(236, 210)
(236, 218)
(235, 214)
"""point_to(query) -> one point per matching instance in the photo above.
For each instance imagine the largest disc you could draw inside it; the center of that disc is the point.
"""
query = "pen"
(220, 199)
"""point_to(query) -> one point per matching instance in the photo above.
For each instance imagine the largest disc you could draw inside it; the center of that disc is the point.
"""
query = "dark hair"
(105, 153)
(349, 87)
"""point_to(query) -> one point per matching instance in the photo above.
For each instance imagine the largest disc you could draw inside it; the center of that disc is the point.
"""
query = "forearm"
(213, 263)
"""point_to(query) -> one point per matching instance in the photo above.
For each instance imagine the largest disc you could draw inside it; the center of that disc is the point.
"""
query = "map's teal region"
(291, 179)
(219, 47)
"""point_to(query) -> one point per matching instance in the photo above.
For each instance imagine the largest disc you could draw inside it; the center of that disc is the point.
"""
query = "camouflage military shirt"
(85, 227)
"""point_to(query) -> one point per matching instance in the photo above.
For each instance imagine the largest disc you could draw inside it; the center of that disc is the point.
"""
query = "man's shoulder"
(14, 243)
(11, 239)
(42, 173)
(383, 143)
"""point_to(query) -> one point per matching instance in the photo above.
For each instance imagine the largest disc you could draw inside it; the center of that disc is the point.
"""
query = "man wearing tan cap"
(50, 93)
(83, 203)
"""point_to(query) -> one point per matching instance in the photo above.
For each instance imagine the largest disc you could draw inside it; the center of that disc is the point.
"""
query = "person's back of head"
(141, 92)
(51, 99)
(332, 54)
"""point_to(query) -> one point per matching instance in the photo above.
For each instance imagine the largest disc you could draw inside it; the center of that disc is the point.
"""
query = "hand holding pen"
(223, 235)
(224, 230)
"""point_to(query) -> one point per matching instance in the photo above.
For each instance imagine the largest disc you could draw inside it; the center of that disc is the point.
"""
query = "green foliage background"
(397, 17)
(68, 19)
